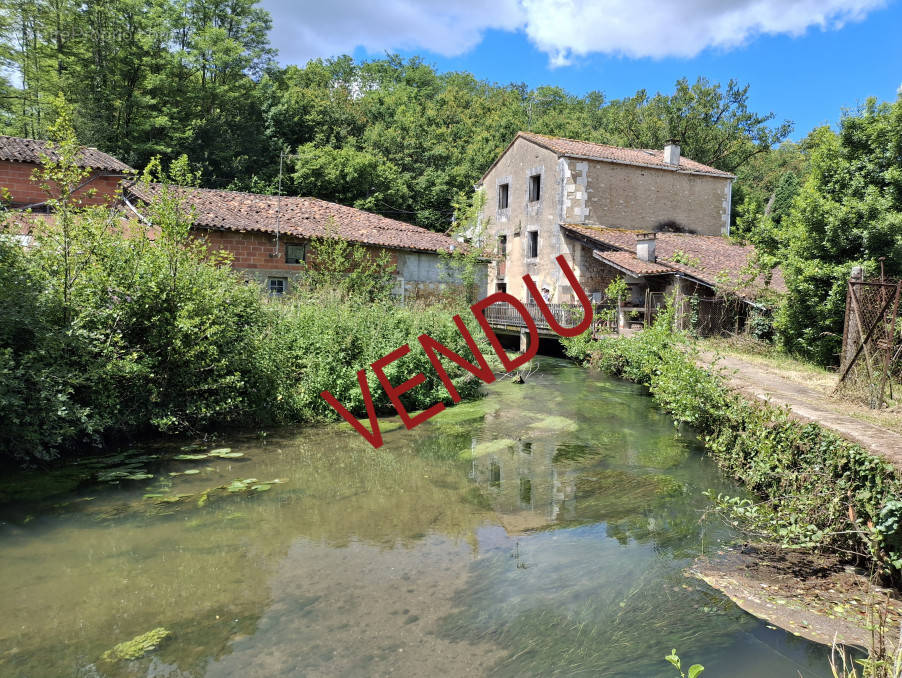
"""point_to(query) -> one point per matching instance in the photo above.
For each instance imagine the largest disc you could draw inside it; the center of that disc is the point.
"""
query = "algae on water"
(138, 646)
(555, 423)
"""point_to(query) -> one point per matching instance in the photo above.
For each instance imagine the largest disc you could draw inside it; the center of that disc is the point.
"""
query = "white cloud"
(564, 29)
(324, 28)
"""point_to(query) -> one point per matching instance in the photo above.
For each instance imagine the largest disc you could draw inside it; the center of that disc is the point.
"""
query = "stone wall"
(523, 216)
(643, 198)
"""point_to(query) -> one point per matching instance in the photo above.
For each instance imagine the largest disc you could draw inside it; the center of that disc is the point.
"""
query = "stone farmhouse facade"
(655, 218)
(266, 236)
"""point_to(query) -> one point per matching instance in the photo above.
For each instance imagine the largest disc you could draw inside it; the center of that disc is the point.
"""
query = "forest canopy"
(391, 135)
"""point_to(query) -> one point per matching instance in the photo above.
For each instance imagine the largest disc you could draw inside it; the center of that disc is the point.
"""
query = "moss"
(138, 646)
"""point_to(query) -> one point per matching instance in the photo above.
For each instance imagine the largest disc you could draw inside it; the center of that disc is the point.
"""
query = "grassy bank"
(816, 490)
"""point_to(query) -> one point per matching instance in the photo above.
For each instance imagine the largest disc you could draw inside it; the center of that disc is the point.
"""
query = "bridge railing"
(567, 315)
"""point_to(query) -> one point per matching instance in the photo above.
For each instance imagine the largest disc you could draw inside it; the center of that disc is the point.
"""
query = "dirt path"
(807, 404)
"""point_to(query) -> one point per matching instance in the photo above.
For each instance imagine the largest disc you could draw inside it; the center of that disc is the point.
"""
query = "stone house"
(267, 236)
(546, 196)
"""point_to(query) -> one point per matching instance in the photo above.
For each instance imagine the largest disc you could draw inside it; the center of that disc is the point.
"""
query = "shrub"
(817, 489)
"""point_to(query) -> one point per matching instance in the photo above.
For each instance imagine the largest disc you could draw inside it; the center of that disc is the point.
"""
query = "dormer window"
(535, 187)
(503, 196)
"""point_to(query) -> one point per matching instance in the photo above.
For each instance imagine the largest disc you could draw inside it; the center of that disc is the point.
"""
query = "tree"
(848, 212)
(713, 125)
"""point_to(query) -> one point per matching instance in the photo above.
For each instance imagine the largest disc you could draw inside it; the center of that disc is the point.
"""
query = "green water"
(541, 531)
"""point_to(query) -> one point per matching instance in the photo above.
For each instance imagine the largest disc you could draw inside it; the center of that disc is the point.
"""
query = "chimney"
(672, 152)
(645, 246)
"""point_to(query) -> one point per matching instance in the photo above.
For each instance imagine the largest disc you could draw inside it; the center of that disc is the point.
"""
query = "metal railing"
(567, 315)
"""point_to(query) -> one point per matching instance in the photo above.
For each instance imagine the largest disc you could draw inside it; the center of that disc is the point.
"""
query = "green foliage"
(105, 335)
(137, 647)
(164, 77)
(348, 269)
(694, 671)
(461, 267)
(816, 489)
(681, 257)
(617, 291)
(819, 209)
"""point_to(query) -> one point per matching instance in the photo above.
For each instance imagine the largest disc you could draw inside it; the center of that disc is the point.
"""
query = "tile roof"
(633, 264)
(16, 149)
(301, 217)
(710, 256)
(646, 157)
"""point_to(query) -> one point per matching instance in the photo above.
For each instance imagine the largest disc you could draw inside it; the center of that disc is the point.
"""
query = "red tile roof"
(710, 257)
(16, 149)
(644, 157)
(301, 217)
(629, 262)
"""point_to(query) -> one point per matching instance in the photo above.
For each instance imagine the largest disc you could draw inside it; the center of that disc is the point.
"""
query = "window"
(502, 246)
(503, 192)
(532, 244)
(295, 254)
(501, 287)
(535, 187)
(276, 286)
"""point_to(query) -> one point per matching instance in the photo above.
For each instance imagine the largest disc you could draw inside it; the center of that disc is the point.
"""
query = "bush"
(818, 490)
(105, 332)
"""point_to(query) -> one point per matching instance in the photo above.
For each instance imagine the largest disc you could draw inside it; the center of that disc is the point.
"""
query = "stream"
(541, 531)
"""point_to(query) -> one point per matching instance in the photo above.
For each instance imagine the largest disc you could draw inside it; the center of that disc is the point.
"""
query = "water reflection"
(541, 531)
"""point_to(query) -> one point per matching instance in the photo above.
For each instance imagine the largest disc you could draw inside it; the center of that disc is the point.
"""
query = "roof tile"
(301, 217)
(647, 157)
(17, 149)
(710, 256)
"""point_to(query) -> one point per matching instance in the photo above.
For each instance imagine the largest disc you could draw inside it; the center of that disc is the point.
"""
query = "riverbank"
(815, 489)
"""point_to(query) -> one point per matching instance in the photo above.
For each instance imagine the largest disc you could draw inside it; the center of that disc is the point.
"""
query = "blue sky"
(805, 60)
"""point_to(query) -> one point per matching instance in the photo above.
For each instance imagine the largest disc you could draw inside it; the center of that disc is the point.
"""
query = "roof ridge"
(582, 141)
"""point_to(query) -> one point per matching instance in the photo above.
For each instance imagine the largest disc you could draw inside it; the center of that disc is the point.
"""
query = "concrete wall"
(16, 178)
(522, 216)
(642, 198)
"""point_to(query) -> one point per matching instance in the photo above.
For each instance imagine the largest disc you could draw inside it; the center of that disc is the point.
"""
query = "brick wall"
(16, 177)
(251, 254)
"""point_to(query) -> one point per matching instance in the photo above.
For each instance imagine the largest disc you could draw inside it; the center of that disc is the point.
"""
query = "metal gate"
(869, 339)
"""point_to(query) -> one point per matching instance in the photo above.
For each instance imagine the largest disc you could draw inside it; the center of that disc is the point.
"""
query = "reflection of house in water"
(523, 485)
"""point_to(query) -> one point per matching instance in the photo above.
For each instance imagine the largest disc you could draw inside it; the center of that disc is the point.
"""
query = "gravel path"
(807, 404)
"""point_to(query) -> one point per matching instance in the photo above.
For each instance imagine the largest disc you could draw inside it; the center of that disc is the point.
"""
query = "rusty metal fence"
(870, 346)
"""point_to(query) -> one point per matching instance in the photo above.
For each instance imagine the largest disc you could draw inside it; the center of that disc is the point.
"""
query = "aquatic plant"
(694, 670)
(138, 646)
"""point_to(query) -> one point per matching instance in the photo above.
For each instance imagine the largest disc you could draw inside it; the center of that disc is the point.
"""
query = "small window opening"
(495, 474)
(501, 287)
(295, 254)
(276, 286)
(502, 246)
(532, 250)
(535, 187)
(503, 192)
